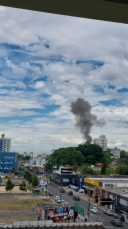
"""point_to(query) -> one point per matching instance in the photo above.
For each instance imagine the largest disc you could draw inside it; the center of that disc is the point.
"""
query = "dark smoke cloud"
(84, 119)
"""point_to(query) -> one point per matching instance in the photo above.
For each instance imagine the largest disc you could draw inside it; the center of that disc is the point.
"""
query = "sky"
(48, 61)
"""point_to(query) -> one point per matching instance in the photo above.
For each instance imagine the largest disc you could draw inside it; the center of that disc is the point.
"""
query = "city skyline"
(48, 61)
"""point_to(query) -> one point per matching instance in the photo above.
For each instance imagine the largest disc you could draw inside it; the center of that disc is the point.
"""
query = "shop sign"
(65, 180)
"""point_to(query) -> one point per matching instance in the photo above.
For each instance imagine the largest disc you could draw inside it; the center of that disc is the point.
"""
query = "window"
(123, 202)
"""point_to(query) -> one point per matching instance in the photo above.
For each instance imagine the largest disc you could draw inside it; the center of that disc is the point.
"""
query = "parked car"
(116, 222)
(121, 217)
(94, 210)
(76, 189)
(109, 212)
(81, 190)
(7, 176)
(70, 185)
(70, 193)
(50, 194)
(62, 190)
(76, 198)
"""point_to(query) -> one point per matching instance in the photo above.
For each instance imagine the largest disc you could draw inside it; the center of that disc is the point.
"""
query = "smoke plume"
(84, 119)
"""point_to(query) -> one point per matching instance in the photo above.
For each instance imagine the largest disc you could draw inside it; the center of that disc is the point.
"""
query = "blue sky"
(46, 62)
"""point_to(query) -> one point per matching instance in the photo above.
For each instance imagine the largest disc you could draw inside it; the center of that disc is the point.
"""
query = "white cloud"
(39, 84)
(20, 84)
(70, 40)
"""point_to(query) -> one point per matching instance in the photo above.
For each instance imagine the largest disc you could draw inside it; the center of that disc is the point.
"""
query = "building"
(38, 161)
(66, 178)
(8, 160)
(116, 152)
(101, 141)
(5, 144)
(98, 166)
(32, 154)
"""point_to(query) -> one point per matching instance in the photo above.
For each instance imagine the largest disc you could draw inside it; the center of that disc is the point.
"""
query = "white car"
(57, 197)
(94, 210)
(81, 190)
(58, 201)
(65, 203)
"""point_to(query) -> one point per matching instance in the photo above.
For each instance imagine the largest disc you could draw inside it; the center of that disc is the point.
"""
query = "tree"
(123, 154)
(34, 181)
(27, 175)
(103, 170)
(21, 169)
(35, 169)
(109, 171)
(50, 162)
(122, 169)
(9, 186)
(13, 170)
(23, 187)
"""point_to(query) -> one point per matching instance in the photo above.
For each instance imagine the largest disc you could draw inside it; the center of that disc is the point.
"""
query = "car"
(105, 211)
(70, 193)
(109, 212)
(76, 198)
(7, 176)
(76, 189)
(50, 194)
(57, 197)
(121, 217)
(94, 210)
(116, 222)
(60, 201)
(81, 190)
(64, 203)
(70, 186)
(62, 190)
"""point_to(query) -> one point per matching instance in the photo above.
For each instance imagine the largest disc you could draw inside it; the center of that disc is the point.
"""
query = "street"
(84, 204)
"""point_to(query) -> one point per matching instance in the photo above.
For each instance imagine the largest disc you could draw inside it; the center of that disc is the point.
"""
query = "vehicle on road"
(94, 210)
(62, 190)
(57, 197)
(70, 193)
(64, 203)
(81, 190)
(116, 222)
(109, 212)
(76, 198)
(76, 189)
(50, 194)
(121, 217)
(60, 201)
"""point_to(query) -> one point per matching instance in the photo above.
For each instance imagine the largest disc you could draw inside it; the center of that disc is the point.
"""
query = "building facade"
(8, 160)
(38, 161)
(101, 141)
(5, 144)
(116, 152)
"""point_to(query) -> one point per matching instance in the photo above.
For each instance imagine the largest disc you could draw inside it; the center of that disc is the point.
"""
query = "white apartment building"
(116, 152)
(38, 161)
(31, 154)
(5, 144)
(101, 141)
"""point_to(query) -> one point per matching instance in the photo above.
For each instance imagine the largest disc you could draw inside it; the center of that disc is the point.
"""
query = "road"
(84, 204)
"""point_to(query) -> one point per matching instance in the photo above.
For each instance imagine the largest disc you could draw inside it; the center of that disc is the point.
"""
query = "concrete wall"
(46, 223)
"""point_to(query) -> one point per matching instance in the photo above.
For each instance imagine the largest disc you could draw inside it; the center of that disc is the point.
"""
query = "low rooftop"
(122, 191)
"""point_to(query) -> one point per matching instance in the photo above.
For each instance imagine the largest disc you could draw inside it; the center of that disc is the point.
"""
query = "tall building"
(8, 160)
(101, 141)
(5, 144)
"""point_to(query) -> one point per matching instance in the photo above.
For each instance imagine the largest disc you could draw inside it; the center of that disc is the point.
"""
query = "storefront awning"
(87, 188)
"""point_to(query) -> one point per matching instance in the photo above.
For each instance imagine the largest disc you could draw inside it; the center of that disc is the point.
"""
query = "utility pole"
(89, 205)
(61, 190)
